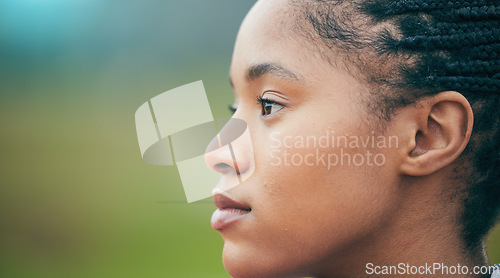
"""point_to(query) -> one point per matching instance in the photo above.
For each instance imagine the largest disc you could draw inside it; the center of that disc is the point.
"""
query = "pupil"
(268, 107)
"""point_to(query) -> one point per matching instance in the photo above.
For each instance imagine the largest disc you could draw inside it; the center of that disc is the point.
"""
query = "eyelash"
(263, 102)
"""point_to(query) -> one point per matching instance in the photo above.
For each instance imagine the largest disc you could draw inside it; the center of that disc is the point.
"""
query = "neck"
(423, 232)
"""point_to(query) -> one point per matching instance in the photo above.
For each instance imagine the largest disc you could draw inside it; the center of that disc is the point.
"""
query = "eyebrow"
(259, 70)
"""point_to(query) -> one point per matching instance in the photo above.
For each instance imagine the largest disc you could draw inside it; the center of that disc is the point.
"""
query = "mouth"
(229, 211)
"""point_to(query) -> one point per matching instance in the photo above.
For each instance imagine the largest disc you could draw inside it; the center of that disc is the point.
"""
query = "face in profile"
(311, 204)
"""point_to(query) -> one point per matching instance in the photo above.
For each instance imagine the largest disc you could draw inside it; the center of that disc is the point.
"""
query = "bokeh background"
(76, 200)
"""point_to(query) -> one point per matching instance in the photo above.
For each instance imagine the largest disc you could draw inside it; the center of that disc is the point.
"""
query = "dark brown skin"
(315, 221)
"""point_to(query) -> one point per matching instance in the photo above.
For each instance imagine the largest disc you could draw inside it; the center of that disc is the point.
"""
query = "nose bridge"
(231, 151)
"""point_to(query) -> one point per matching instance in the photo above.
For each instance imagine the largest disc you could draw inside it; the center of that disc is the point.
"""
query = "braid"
(423, 47)
(452, 28)
(469, 9)
(475, 13)
(478, 85)
(474, 67)
(481, 203)
(450, 41)
(481, 52)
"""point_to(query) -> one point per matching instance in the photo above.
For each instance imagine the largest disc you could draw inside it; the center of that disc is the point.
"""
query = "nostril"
(222, 166)
(225, 168)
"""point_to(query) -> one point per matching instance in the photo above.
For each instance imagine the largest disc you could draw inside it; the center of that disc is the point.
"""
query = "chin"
(241, 263)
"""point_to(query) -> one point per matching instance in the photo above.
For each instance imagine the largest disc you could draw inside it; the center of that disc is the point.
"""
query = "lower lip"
(223, 217)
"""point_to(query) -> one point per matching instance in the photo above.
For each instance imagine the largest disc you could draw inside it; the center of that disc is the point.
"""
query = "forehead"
(270, 35)
(276, 14)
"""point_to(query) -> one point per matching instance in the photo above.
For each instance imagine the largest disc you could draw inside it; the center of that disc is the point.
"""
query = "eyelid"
(274, 97)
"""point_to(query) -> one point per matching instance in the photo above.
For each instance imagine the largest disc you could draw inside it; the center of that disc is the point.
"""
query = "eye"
(268, 106)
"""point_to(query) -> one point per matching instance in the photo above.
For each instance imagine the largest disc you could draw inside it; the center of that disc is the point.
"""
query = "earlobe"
(444, 125)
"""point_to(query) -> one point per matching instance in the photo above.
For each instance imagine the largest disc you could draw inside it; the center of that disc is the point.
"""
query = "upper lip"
(225, 202)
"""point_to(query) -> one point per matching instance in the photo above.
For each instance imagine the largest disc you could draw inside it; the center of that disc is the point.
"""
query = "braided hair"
(410, 49)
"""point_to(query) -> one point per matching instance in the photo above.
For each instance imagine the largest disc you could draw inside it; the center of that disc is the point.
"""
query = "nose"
(230, 153)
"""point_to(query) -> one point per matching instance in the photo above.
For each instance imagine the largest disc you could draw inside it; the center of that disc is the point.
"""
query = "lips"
(229, 211)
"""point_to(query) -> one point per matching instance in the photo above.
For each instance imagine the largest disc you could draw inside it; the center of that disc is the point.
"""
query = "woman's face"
(311, 203)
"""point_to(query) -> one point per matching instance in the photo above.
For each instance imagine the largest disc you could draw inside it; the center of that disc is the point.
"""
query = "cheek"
(311, 192)
(321, 170)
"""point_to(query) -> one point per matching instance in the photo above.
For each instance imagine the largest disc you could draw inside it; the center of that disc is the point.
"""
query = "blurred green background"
(76, 200)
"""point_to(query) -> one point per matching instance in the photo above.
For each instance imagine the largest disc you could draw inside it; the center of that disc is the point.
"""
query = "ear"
(441, 126)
